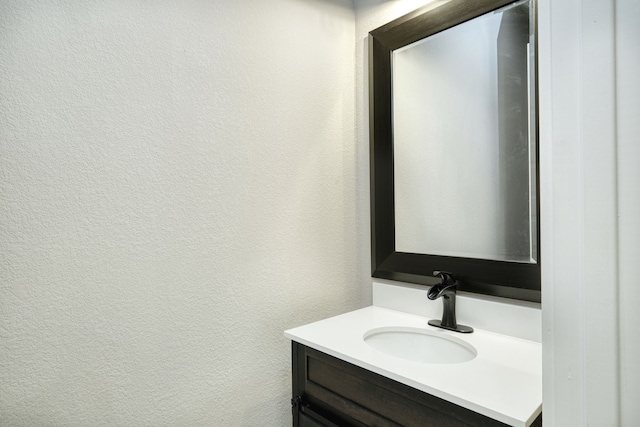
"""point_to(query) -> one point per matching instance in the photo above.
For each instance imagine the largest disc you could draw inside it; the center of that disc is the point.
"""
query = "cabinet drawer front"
(373, 400)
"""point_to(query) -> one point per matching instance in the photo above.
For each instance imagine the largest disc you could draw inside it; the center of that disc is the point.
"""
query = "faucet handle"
(446, 277)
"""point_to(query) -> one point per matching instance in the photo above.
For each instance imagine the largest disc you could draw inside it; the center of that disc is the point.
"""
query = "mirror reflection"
(463, 119)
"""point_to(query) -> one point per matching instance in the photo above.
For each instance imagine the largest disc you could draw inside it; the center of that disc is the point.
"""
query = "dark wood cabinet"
(330, 392)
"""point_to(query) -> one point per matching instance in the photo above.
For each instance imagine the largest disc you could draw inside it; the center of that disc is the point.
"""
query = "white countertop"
(504, 380)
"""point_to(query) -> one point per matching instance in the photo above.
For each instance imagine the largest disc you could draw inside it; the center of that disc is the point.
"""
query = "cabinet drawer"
(352, 396)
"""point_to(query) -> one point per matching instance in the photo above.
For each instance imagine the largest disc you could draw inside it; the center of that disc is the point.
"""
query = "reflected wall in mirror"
(454, 146)
(464, 152)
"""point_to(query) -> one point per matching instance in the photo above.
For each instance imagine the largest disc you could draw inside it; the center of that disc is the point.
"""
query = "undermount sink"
(420, 345)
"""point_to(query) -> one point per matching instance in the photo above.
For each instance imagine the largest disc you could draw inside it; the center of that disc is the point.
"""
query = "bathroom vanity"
(341, 379)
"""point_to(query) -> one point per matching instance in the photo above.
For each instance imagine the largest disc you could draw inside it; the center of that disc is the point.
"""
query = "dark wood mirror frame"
(498, 278)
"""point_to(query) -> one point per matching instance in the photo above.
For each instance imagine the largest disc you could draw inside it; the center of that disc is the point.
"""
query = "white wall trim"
(585, 278)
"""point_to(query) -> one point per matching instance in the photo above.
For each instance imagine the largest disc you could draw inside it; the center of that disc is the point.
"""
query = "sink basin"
(420, 345)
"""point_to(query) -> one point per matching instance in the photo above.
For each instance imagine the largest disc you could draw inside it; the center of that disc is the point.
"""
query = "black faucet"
(447, 290)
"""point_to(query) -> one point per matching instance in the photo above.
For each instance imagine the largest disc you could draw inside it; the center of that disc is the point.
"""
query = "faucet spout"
(447, 291)
(447, 285)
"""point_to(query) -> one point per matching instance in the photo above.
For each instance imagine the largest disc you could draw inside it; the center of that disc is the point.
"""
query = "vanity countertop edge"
(504, 380)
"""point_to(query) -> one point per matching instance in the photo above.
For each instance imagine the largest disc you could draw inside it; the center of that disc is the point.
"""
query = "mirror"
(454, 147)
(462, 140)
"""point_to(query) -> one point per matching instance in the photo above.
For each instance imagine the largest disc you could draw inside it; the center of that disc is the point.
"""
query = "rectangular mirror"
(464, 149)
(453, 128)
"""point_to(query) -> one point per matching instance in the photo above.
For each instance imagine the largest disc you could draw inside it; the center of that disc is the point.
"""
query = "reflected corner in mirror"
(453, 126)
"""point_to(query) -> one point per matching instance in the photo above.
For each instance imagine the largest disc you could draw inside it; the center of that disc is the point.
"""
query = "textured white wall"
(177, 187)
